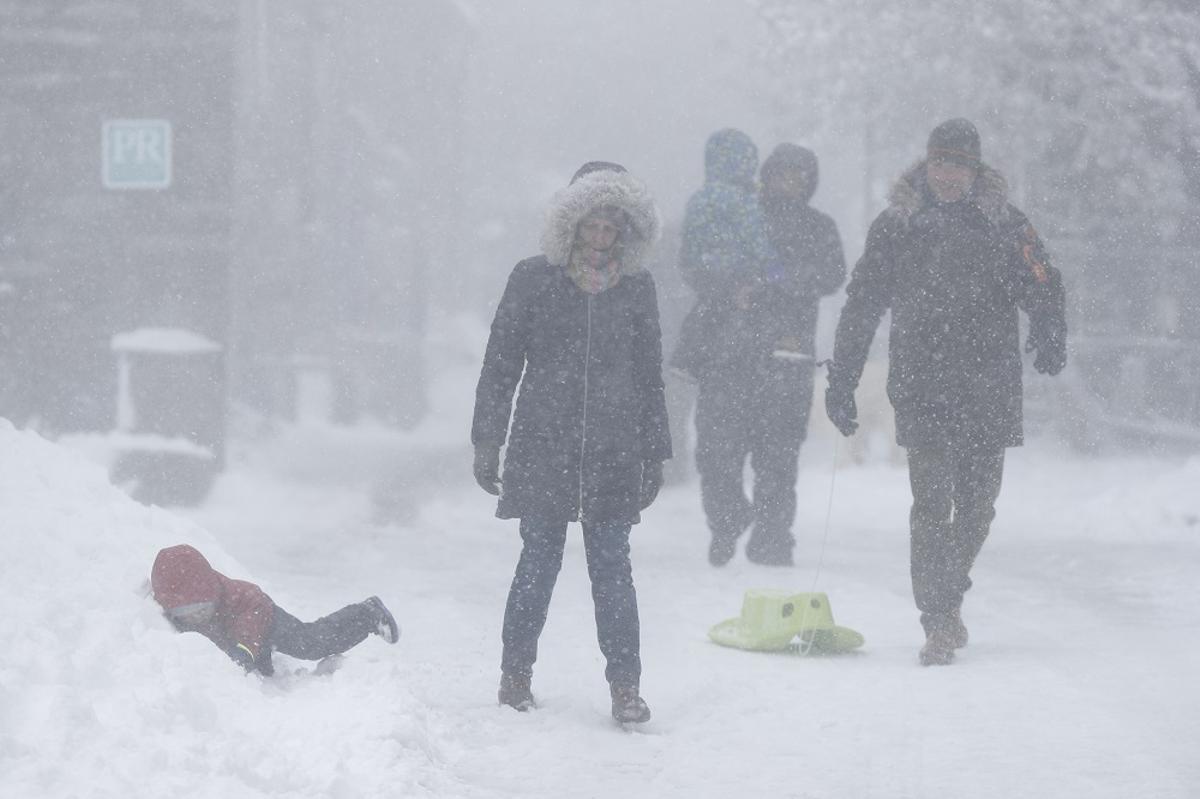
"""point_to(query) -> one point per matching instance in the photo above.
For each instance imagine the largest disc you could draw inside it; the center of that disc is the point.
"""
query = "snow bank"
(100, 697)
(85, 650)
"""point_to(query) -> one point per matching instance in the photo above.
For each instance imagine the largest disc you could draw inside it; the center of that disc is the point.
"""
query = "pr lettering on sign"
(136, 154)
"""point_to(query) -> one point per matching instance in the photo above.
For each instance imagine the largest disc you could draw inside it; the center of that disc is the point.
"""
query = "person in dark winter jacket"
(758, 266)
(578, 329)
(243, 621)
(775, 415)
(954, 261)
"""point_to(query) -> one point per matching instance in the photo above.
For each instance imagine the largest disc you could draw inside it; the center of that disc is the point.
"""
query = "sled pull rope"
(806, 647)
(825, 534)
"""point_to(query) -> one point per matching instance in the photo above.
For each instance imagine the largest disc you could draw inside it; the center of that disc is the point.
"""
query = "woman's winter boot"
(515, 692)
(627, 706)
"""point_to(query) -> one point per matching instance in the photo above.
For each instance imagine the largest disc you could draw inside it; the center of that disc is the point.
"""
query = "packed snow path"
(1079, 680)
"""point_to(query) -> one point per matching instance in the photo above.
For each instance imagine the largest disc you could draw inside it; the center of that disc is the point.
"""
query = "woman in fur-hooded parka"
(589, 361)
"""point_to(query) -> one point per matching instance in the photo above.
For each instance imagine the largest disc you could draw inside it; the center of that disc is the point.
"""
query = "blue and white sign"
(137, 154)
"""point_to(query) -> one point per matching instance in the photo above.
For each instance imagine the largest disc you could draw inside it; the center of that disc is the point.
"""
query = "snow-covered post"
(170, 414)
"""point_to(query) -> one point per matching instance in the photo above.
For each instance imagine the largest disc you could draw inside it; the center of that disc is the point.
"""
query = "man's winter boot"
(385, 623)
(724, 542)
(938, 650)
(721, 550)
(769, 551)
(515, 692)
(939, 641)
(627, 706)
(958, 630)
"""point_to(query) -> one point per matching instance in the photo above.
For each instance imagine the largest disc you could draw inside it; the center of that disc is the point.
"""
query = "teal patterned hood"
(730, 156)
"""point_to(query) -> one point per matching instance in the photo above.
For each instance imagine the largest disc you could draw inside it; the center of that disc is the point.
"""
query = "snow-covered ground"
(1080, 680)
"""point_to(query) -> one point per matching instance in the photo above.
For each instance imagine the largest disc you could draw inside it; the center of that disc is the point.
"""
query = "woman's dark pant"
(328, 635)
(617, 627)
(954, 496)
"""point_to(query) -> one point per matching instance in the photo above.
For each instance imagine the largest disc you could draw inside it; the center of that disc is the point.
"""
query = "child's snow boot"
(515, 692)
(385, 624)
(627, 706)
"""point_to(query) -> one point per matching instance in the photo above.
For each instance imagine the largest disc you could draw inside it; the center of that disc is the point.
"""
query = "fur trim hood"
(590, 191)
(989, 194)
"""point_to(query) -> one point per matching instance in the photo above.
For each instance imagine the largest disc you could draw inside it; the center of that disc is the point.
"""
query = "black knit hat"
(596, 166)
(956, 141)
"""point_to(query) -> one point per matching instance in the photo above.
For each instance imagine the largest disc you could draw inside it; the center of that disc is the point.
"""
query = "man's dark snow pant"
(328, 635)
(606, 545)
(764, 417)
(954, 496)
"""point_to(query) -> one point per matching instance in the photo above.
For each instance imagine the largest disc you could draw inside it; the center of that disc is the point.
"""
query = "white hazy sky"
(559, 83)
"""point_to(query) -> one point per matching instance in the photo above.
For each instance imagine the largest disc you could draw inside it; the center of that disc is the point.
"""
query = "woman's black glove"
(487, 468)
(652, 480)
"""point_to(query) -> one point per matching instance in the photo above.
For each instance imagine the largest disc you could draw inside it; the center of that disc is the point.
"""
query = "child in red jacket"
(243, 621)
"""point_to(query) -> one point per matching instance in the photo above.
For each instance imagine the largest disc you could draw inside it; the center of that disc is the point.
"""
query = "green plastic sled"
(772, 620)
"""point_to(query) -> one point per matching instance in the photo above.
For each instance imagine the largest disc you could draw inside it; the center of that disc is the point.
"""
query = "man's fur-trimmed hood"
(989, 194)
(591, 191)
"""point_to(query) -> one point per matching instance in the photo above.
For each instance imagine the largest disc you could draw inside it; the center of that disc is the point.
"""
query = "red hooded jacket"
(182, 576)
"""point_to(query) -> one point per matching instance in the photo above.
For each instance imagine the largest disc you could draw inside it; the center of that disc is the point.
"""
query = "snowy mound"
(100, 697)
(87, 657)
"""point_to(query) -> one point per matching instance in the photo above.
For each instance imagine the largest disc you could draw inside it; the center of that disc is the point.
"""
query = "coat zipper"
(587, 359)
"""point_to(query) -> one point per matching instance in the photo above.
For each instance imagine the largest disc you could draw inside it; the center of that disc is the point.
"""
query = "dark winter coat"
(953, 276)
(809, 250)
(590, 410)
(182, 576)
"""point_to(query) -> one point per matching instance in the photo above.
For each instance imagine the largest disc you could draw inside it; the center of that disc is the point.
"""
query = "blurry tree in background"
(117, 167)
(1091, 109)
(350, 120)
(275, 181)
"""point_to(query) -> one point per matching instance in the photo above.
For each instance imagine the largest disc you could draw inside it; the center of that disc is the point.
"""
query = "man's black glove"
(652, 480)
(487, 468)
(841, 409)
(1050, 341)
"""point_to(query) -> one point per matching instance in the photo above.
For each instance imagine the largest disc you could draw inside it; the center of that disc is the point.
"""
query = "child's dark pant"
(328, 635)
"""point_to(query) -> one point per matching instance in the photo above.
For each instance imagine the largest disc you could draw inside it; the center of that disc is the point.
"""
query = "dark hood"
(793, 155)
(730, 157)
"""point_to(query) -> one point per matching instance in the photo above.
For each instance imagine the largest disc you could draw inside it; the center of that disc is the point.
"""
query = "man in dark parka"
(578, 328)
(811, 265)
(758, 266)
(953, 261)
